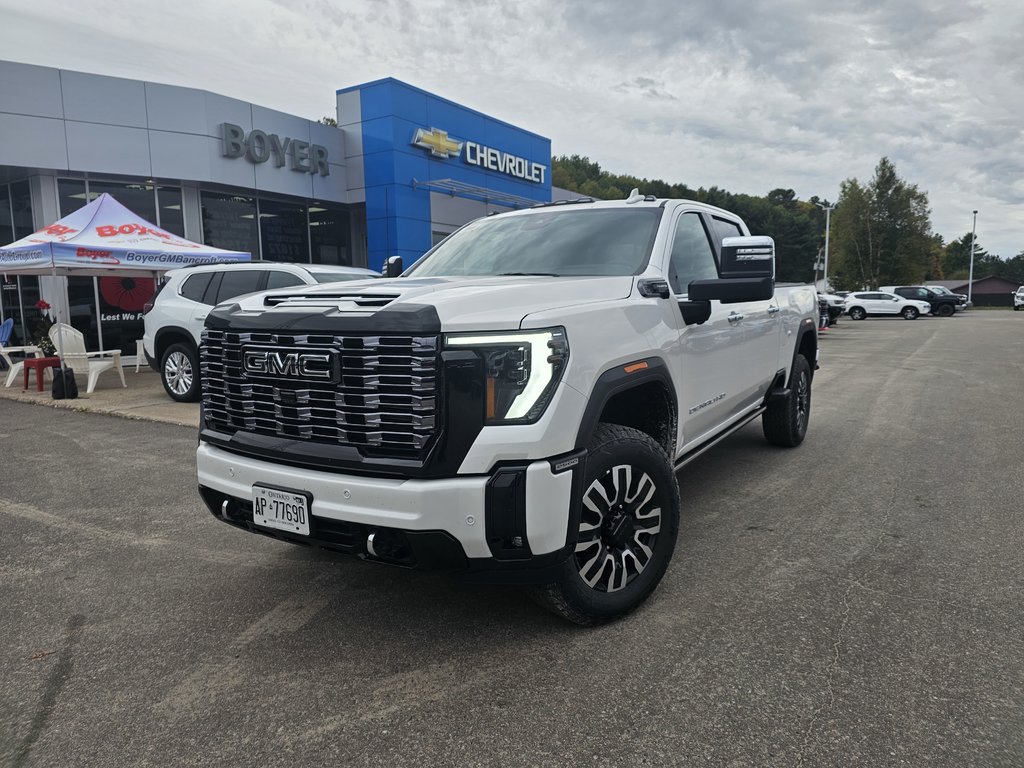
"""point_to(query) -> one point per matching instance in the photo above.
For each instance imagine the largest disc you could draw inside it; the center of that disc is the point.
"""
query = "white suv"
(174, 320)
(1018, 299)
(864, 303)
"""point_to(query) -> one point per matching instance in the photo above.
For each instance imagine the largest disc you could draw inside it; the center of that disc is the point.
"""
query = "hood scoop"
(343, 302)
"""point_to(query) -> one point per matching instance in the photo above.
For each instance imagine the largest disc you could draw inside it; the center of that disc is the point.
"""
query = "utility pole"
(970, 277)
(828, 216)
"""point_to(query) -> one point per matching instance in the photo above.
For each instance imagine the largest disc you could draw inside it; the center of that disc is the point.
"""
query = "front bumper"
(515, 520)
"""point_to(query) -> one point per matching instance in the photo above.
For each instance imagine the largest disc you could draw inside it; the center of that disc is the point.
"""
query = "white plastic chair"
(15, 367)
(77, 359)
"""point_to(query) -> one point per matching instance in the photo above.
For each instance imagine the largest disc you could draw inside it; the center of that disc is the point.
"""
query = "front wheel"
(785, 421)
(910, 313)
(629, 520)
(857, 313)
(179, 372)
(945, 310)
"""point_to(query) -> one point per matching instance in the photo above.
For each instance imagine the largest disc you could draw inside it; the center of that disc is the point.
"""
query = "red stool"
(39, 365)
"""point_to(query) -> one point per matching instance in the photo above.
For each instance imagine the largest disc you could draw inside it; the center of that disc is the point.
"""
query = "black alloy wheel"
(629, 520)
(785, 422)
(619, 528)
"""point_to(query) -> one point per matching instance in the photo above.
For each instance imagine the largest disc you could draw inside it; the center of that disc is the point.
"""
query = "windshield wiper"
(527, 274)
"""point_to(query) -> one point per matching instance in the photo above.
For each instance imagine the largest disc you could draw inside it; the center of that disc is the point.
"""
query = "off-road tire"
(612, 448)
(857, 313)
(945, 310)
(785, 421)
(179, 372)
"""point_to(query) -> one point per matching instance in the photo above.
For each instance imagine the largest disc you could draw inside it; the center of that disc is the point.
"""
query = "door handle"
(773, 310)
(735, 317)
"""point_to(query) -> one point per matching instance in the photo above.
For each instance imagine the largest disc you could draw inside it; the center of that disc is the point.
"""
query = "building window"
(171, 217)
(82, 307)
(72, 194)
(6, 222)
(229, 221)
(21, 206)
(284, 231)
(329, 234)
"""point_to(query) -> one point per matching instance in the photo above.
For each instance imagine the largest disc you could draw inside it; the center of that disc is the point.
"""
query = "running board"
(686, 459)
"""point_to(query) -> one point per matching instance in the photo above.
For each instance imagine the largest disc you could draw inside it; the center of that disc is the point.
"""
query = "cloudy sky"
(737, 94)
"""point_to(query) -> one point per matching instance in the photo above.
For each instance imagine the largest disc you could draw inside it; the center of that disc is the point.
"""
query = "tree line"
(880, 230)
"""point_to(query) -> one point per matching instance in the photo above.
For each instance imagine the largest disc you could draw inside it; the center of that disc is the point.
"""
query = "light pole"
(828, 217)
(970, 277)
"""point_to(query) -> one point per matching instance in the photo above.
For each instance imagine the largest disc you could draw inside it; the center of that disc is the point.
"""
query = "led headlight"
(522, 369)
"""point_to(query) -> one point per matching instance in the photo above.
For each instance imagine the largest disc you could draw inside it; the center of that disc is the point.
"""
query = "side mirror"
(746, 273)
(747, 257)
(392, 267)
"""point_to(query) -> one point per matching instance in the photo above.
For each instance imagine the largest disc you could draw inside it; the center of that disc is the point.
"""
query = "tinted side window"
(724, 228)
(692, 258)
(237, 282)
(195, 286)
(279, 279)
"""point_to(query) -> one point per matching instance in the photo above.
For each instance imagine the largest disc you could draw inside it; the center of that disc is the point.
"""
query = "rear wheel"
(179, 372)
(857, 313)
(785, 421)
(910, 313)
(627, 532)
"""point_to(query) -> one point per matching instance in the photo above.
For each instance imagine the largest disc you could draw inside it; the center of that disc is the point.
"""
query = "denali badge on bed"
(289, 365)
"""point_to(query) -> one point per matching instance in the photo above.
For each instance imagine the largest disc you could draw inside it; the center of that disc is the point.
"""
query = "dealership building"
(402, 169)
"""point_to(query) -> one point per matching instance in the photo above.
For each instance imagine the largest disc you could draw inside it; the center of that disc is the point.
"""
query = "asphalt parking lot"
(855, 601)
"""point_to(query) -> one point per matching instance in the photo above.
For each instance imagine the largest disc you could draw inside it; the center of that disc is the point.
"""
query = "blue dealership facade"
(429, 165)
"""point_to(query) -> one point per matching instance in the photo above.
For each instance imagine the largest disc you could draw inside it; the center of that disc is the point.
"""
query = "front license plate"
(277, 508)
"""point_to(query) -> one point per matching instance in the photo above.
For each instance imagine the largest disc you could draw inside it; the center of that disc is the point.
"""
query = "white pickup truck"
(515, 405)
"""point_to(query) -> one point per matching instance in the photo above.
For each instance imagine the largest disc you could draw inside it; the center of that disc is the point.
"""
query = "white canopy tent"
(104, 237)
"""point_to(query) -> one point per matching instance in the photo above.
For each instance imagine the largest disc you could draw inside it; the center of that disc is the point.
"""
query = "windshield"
(940, 289)
(338, 277)
(601, 241)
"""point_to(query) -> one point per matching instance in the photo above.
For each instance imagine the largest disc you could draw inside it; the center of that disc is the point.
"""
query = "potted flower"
(42, 334)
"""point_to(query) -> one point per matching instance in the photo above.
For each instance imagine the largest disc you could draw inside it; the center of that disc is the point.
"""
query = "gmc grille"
(384, 400)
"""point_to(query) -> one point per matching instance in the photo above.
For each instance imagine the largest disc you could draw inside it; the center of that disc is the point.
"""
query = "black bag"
(70, 385)
(64, 385)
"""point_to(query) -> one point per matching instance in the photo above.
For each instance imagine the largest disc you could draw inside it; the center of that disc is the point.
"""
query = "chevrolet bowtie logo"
(437, 142)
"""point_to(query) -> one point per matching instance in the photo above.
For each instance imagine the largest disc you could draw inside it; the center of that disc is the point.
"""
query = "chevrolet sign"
(441, 145)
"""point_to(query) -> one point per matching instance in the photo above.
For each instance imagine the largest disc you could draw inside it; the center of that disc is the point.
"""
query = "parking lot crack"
(55, 682)
(839, 637)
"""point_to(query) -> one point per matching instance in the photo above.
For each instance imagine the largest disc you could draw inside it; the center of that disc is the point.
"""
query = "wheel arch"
(641, 395)
(806, 345)
(167, 336)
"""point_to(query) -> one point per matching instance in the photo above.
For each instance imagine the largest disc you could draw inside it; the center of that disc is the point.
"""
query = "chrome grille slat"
(386, 398)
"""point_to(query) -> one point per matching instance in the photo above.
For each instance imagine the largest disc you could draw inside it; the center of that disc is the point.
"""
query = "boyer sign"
(259, 147)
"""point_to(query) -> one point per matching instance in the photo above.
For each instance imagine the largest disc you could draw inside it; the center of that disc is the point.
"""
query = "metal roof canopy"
(471, 191)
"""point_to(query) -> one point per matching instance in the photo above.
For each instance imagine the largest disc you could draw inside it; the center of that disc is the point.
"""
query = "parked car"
(942, 305)
(863, 304)
(835, 305)
(1018, 299)
(174, 320)
(962, 302)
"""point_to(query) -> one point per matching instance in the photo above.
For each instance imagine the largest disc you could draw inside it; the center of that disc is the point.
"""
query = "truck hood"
(434, 303)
